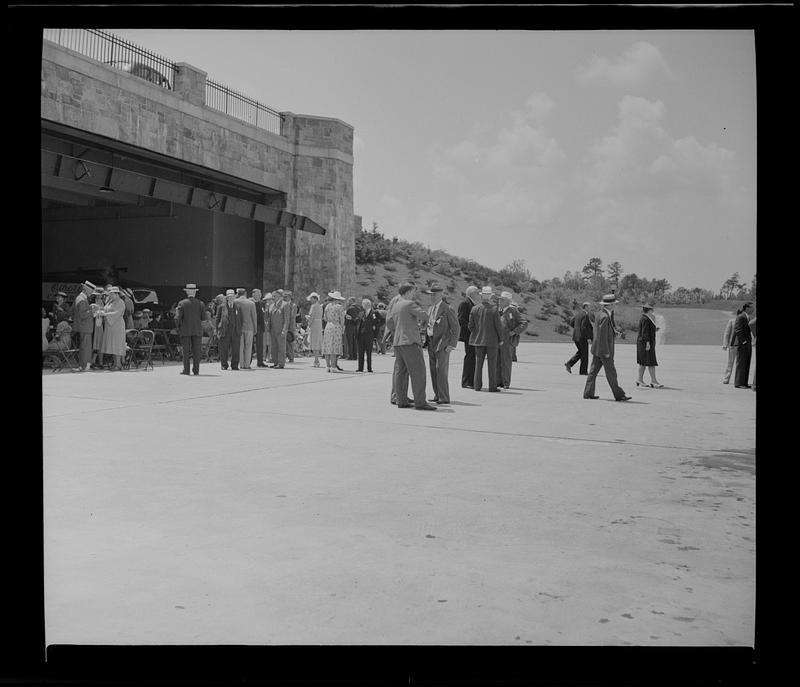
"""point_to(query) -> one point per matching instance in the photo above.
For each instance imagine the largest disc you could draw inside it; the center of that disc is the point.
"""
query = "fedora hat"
(89, 285)
(337, 295)
(190, 287)
(648, 306)
(113, 289)
(267, 296)
(609, 299)
(487, 291)
(507, 295)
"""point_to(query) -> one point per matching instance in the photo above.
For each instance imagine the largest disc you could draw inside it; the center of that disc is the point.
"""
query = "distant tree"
(753, 288)
(660, 286)
(592, 269)
(614, 273)
(730, 286)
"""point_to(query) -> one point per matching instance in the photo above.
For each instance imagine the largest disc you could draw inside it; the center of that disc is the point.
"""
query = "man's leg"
(401, 376)
(433, 366)
(731, 364)
(361, 353)
(611, 377)
(235, 345)
(491, 356)
(289, 348)
(368, 348)
(575, 358)
(186, 348)
(504, 355)
(260, 348)
(197, 351)
(442, 382)
(85, 349)
(415, 362)
(742, 365)
(477, 377)
(281, 351)
(224, 350)
(588, 389)
(583, 349)
(468, 369)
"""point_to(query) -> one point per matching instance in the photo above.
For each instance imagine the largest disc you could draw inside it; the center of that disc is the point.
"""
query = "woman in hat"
(315, 326)
(96, 303)
(113, 315)
(334, 331)
(646, 347)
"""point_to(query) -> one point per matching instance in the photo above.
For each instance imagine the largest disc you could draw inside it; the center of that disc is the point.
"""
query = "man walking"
(581, 323)
(277, 331)
(404, 322)
(229, 331)
(83, 324)
(513, 325)
(743, 337)
(729, 344)
(486, 335)
(368, 326)
(603, 351)
(189, 323)
(442, 336)
(471, 299)
(249, 322)
(260, 326)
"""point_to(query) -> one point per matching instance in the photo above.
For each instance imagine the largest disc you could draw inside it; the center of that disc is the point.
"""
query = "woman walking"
(646, 347)
(334, 331)
(315, 327)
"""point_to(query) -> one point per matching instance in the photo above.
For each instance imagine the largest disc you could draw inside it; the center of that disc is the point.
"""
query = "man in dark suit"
(603, 336)
(442, 336)
(471, 299)
(486, 335)
(290, 315)
(278, 327)
(513, 325)
(229, 331)
(189, 322)
(351, 317)
(581, 323)
(742, 336)
(260, 326)
(369, 325)
(404, 322)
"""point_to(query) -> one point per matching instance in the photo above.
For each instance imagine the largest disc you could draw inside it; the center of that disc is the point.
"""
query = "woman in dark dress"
(646, 347)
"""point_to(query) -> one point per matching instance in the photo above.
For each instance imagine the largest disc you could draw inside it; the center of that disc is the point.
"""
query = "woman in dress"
(334, 330)
(646, 347)
(113, 314)
(315, 327)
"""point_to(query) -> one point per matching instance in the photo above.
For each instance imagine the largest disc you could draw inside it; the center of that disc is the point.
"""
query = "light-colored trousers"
(731, 363)
(246, 348)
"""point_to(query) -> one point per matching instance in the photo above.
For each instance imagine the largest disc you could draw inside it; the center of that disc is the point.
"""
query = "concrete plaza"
(299, 507)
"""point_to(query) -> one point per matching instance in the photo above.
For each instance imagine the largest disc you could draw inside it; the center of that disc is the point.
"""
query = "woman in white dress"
(114, 321)
(315, 326)
(334, 329)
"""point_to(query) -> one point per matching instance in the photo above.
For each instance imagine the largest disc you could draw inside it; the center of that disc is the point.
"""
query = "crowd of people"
(272, 328)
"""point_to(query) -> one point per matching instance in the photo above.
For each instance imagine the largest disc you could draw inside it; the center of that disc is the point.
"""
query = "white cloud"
(640, 62)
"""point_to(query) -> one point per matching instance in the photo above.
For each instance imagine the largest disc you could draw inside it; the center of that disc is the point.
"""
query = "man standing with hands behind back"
(442, 336)
(189, 323)
(603, 351)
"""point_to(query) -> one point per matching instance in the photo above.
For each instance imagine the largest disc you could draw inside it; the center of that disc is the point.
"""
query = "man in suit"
(729, 344)
(369, 325)
(486, 335)
(404, 323)
(351, 316)
(388, 336)
(381, 308)
(83, 324)
(249, 323)
(266, 306)
(513, 325)
(278, 327)
(290, 313)
(442, 336)
(260, 326)
(603, 336)
(743, 338)
(581, 323)
(189, 323)
(229, 331)
(471, 299)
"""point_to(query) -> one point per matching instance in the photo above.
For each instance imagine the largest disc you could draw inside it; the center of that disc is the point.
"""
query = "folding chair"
(161, 348)
(142, 351)
(210, 348)
(60, 358)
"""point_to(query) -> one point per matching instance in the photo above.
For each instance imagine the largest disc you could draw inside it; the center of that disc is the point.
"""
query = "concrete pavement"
(299, 507)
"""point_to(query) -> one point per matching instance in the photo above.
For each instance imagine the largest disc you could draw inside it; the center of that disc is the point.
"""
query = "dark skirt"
(643, 357)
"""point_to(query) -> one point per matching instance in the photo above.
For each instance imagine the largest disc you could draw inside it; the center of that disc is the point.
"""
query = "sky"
(552, 147)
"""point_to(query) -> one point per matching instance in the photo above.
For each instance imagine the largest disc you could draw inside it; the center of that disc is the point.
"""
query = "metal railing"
(116, 52)
(237, 105)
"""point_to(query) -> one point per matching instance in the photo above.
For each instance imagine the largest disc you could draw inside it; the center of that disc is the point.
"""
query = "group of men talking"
(488, 324)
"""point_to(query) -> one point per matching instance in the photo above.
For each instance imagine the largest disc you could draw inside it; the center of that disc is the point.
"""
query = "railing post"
(190, 83)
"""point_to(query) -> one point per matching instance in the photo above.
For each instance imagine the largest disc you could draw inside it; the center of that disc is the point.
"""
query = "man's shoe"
(742, 386)
(196, 373)
(183, 372)
(443, 403)
(726, 381)
(569, 369)
(427, 406)
(467, 386)
(494, 390)
(594, 398)
(625, 398)
(433, 400)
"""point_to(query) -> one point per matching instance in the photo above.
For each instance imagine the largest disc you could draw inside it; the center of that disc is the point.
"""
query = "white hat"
(508, 295)
(313, 294)
(89, 284)
(609, 299)
(190, 287)
(113, 289)
(230, 292)
(336, 295)
(487, 291)
(267, 296)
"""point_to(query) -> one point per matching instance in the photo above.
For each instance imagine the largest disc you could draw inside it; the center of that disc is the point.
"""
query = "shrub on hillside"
(390, 268)
(383, 294)
(391, 281)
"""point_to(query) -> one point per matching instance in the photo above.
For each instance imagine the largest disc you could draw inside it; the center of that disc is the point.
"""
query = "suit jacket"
(513, 325)
(445, 329)
(741, 330)
(189, 319)
(404, 321)
(290, 315)
(582, 326)
(355, 312)
(727, 336)
(233, 324)
(464, 309)
(485, 326)
(82, 318)
(603, 334)
(369, 324)
(247, 314)
(278, 323)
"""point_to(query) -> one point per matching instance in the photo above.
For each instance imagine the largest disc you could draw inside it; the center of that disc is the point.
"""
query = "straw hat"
(336, 295)
(313, 294)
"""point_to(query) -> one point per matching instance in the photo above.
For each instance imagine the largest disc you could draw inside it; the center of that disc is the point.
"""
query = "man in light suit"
(442, 336)
(471, 299)
(278, 326)
(743, 337)
(603, 336)
(486, 334)
(189, 323)
(404, 322)
(582, 336)
(513, 325)
(729, 344)
(249, 322)
(388, 336)
(83, 324)
(229, 331)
